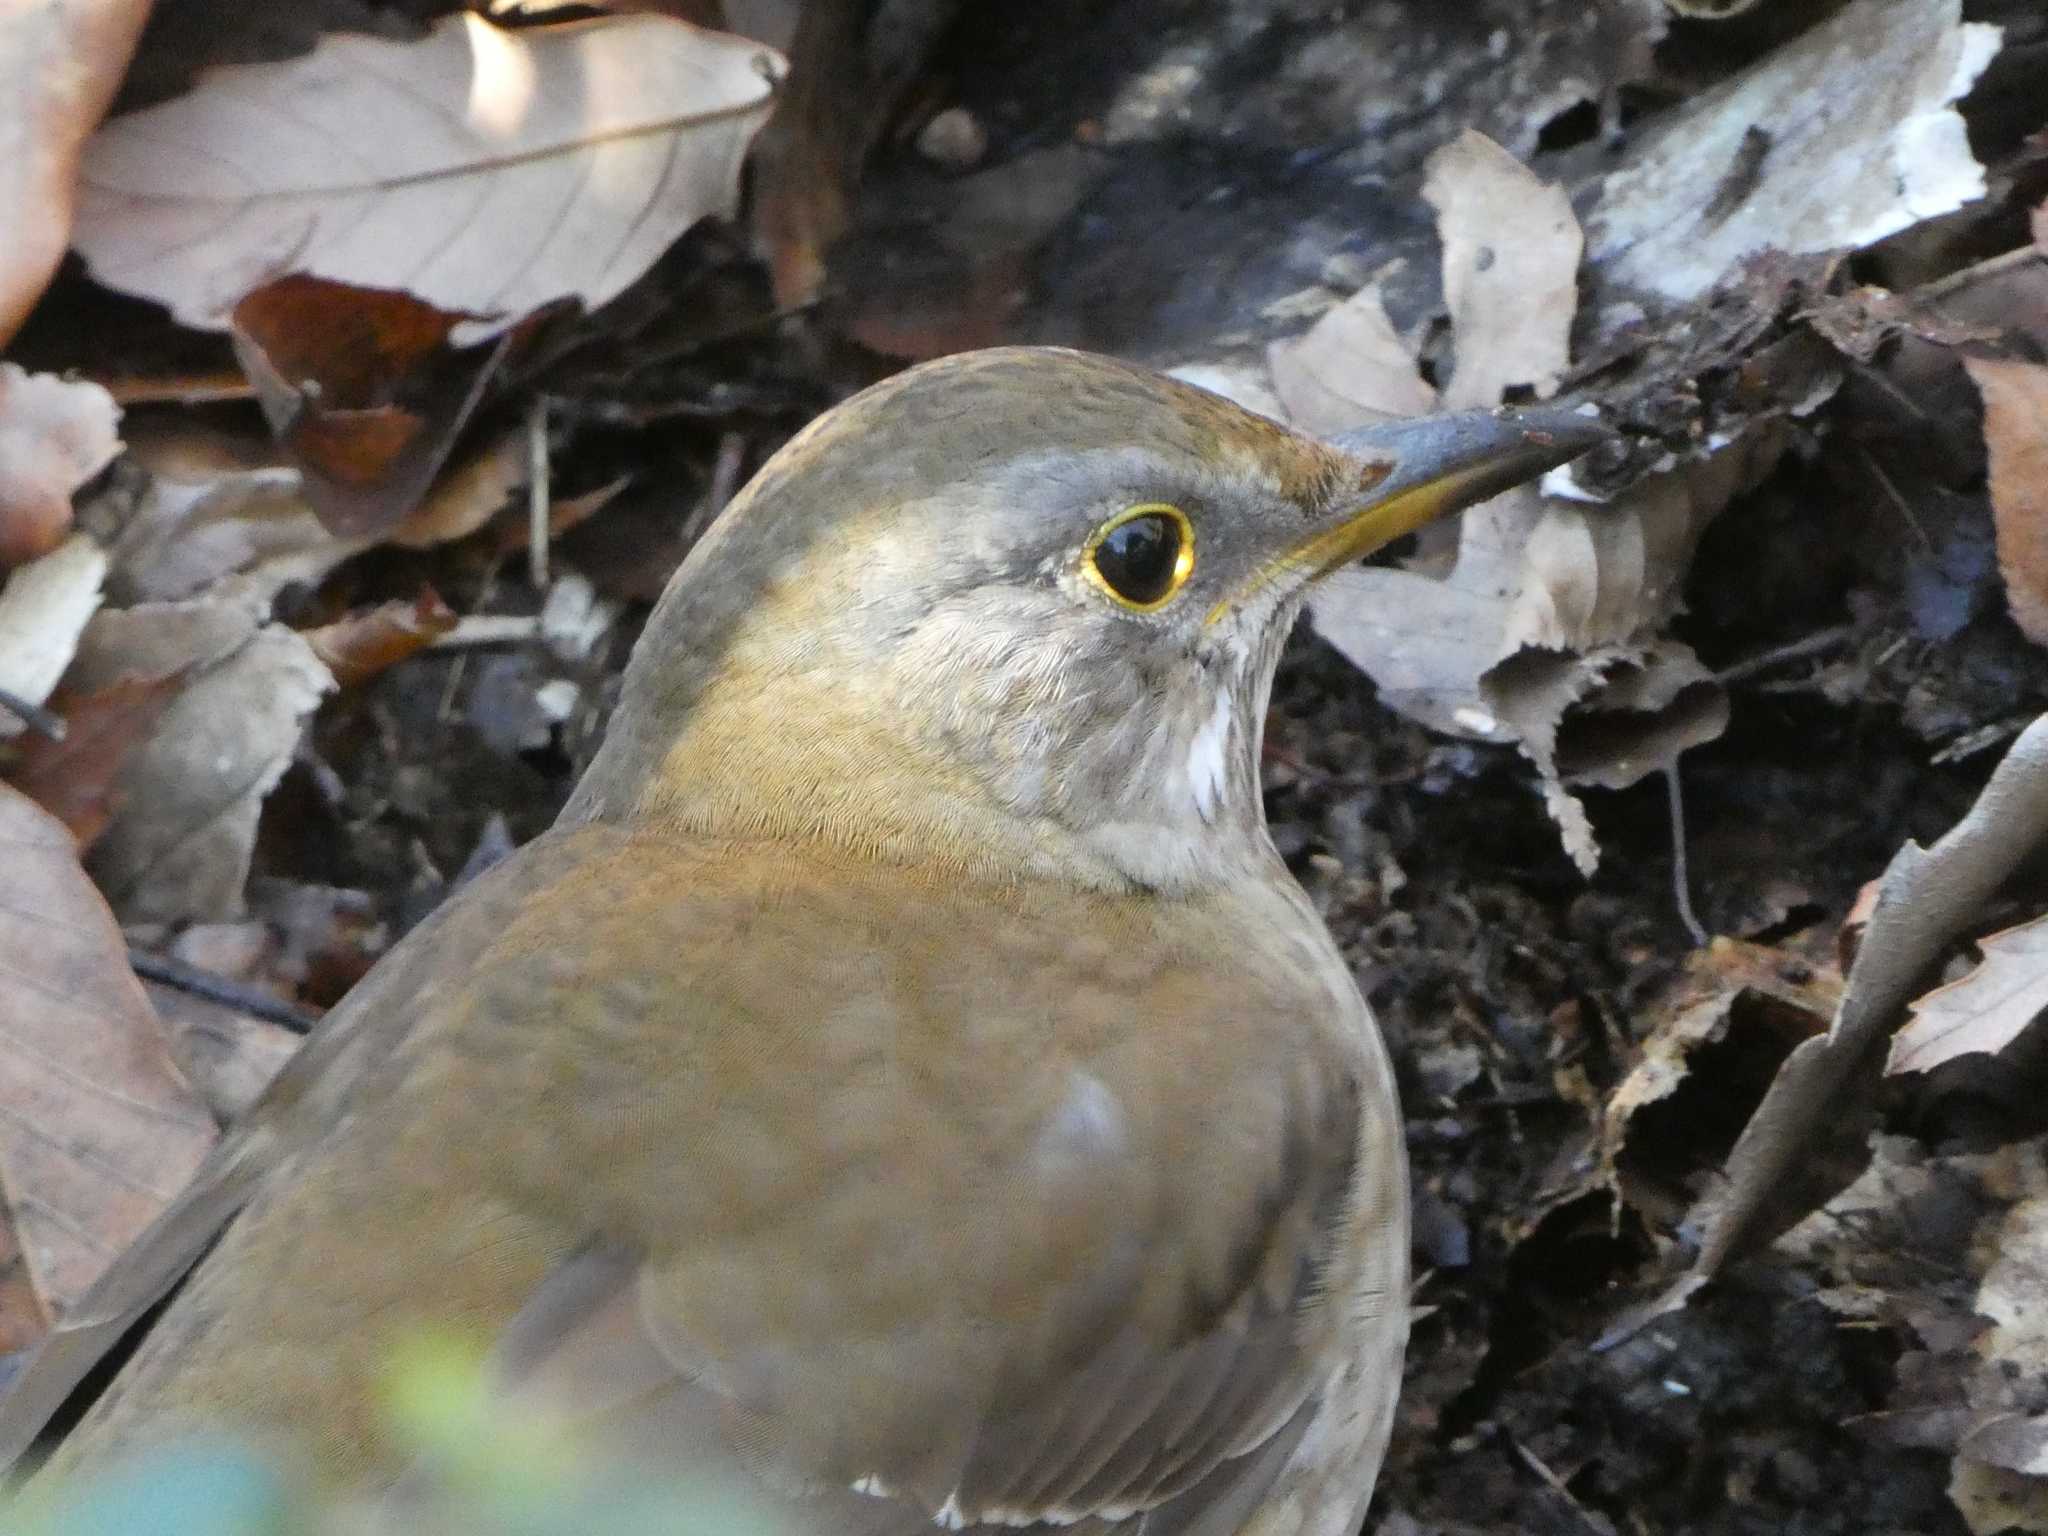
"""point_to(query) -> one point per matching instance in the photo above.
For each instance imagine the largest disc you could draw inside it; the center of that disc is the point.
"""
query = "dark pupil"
(1136, 558)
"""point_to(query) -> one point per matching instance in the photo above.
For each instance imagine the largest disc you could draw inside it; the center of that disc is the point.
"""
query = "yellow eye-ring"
(1142, 556)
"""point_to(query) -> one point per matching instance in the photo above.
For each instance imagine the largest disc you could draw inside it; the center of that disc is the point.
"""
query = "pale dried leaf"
(508, 169)
(179, 847)
(55, 434)
(1752, 165)
(99, 1130)
(1983, 1011)
(60, 64)
(2016, 439)
(1511, 269)
(1348, 369)
(218, 520)
(44, 606)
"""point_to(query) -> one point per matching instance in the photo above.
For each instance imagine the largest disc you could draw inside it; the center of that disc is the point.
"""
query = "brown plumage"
(906, 1080)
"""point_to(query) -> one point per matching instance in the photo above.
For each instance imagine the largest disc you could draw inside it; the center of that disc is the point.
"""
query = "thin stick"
(42, 721)
(1681, 880)
(224, 990)
(537, 493)
(1817, 644)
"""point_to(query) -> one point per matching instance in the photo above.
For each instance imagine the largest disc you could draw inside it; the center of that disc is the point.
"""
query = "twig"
(537, 493)
(725, 480)
(1556, 1485)
(216, 988)
(42, 721)
(474, 629)
(1817, 644)
(1681, 880)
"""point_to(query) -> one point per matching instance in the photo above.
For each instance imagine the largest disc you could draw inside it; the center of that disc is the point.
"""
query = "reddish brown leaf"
(75, 779)
(2016, 437)
(98, 1130)
(359, 645)
(362, 389)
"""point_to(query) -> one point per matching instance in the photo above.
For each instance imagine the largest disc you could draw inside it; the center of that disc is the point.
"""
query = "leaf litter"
(1583, 1082)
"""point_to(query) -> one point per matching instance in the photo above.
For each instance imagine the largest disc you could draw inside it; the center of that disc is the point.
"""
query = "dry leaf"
(1511, 270)
(76, 779)
(55, 434)
(1545, 631)
(1820, 1100)
(44, 606)
(220, 517)
(178, 848)
(507, 169)
(60, 64)
(99, 1130)
(2016, 438)
(363, 390)
(1754, 165)
(1999, 1478)
(1348, 369)
(356, 647)
(1983, 1011)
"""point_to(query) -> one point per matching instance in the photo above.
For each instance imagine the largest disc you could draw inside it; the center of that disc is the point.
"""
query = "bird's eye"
(1142, 556)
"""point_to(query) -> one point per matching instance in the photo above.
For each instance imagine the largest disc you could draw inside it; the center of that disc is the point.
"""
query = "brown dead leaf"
(506, 169)
(1819, 1105)
(363, 391)
(1983, 1011)
(100, 1131)
(2016, 438)
(1761, 998)
(468, 494)
(60, 64)
(55, 434)
(356, 647)
(179, 845)
(75, 779)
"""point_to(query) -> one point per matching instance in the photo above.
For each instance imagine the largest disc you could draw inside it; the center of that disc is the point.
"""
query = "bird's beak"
(1415, 470)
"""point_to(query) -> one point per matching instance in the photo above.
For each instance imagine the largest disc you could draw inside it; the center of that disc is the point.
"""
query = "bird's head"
(1026, 602)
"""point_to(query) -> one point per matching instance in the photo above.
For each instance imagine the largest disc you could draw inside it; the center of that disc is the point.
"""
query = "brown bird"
(906, 1078)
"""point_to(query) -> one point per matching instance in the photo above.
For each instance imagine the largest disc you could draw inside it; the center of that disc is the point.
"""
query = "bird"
(905, 1080)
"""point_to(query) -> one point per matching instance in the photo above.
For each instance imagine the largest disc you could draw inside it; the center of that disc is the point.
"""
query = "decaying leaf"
(99, 1130)
(1350, 368)
(60, 65)
(178, 847)
(1511, 270)
(220, 517)
(359, 645)
(363, 391)
(1821, 1098)
(1999, 1479)
(507, 169)
(1983, 1011)
(1753, 165)
(2016, 437)
(75, 779)
(44, 606)
(1545, 631)
(55, 434)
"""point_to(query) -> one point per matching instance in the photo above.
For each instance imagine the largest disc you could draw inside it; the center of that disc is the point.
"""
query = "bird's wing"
(931, 1205)
(299, 1104)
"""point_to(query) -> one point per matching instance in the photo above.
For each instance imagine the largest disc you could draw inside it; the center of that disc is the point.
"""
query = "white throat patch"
(1209, 758)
